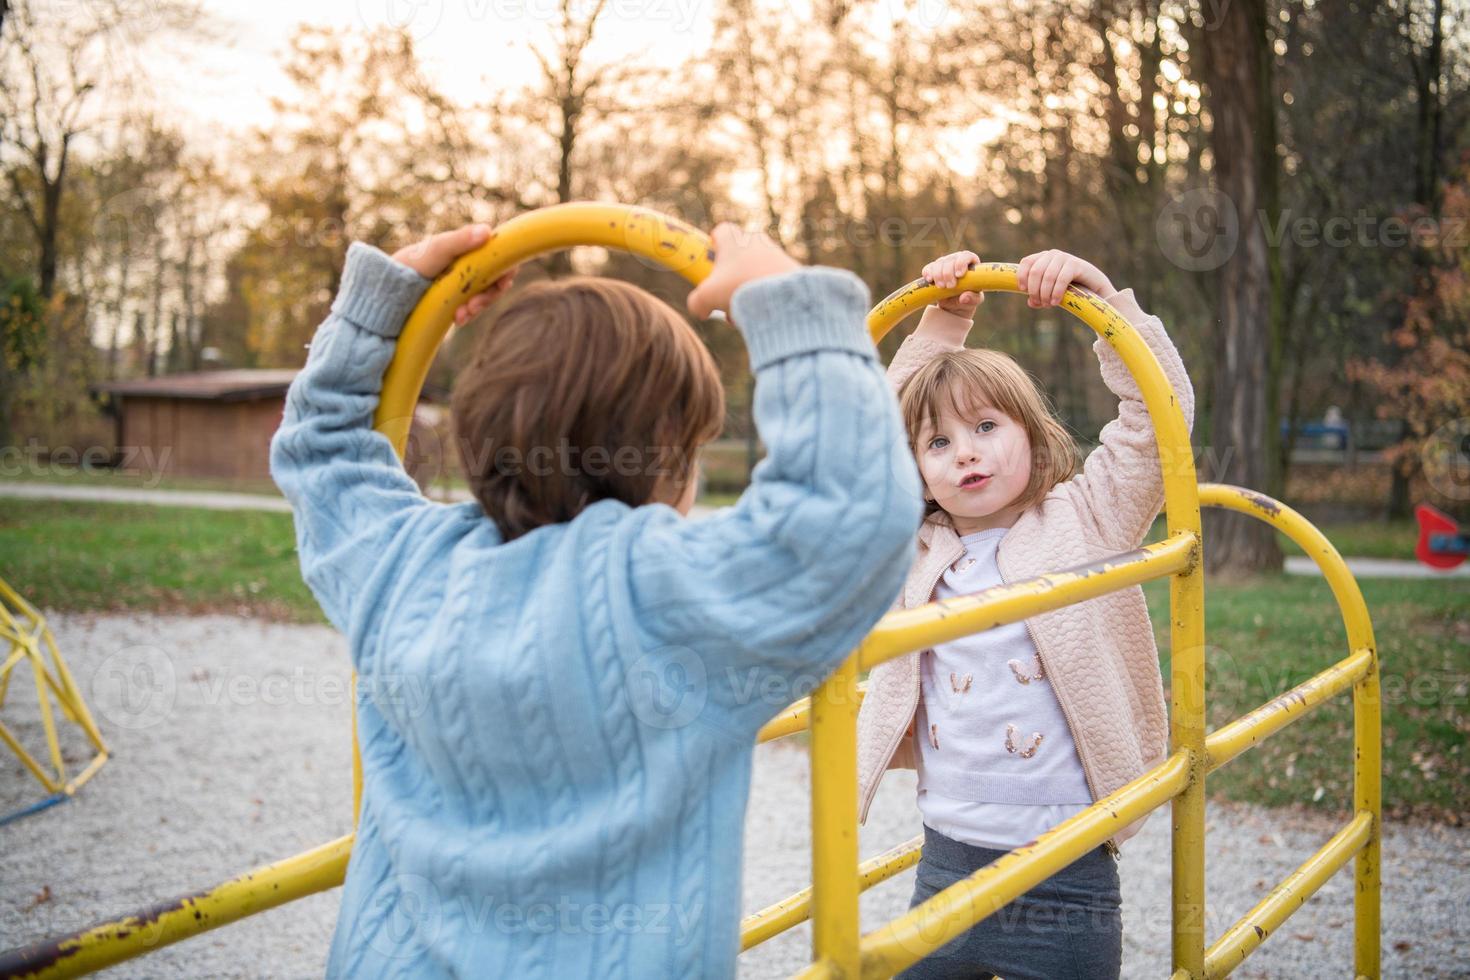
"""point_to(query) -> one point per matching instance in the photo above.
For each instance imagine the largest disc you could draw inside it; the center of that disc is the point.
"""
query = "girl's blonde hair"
(958, 382)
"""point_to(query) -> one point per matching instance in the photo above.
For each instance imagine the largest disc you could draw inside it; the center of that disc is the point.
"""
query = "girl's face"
(976, 467)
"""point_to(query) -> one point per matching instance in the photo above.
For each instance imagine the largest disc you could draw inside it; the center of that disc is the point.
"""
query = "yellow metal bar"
(796, 718)
(90, 770)
(1247, 731)
(16, 656)
(168, 922)
(1186, 588)
(356, 754)
(666, 241)
(940, 622)
(1367, 705)
(1368, 798)
(818, 970)
(26, 632)
(1268, 914)
(48, 721)
(927, 927)
(1345, 590)
(833, 754)
(775, 919)
(29, 761)
(76, 704)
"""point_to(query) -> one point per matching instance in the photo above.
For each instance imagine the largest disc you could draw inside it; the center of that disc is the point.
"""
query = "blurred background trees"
(1284, 183)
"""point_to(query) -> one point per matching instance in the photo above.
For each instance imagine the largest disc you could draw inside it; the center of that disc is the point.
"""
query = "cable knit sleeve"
(772, 593)
(348, 490)
(1120, 489)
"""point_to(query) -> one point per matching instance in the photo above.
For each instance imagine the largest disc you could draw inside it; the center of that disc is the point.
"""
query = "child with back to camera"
(1020, 727)
(560, 682)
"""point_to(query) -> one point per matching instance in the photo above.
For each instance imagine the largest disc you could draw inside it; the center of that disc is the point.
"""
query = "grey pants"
(1069, 927)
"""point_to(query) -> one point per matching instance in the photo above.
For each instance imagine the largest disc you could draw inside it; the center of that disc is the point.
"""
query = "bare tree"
(58, 70)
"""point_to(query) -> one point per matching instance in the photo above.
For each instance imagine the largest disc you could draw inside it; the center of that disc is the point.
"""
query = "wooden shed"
(219, 424)
(208, 423)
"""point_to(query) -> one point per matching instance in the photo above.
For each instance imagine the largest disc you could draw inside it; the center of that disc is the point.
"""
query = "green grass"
(108, 478)
(129, 479)
(1354, 539)
(71, 556)
(1267, 636)
(1381, 539)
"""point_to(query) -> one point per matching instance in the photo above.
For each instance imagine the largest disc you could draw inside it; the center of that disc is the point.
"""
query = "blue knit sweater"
(557, 731)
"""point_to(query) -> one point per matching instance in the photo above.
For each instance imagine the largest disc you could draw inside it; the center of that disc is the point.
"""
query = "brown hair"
(957, 382)
(581, 390)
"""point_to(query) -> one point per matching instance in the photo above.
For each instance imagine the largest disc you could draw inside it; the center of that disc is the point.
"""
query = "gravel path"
(231, 749)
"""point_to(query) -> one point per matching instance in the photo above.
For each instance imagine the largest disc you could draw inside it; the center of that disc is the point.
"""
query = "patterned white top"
(996, 760)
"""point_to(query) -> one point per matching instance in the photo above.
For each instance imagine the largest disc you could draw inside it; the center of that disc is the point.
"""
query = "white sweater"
(997, 763)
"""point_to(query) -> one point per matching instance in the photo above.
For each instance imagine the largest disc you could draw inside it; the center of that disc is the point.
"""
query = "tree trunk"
(1427, 194)
(1235, 56)
(559, 263)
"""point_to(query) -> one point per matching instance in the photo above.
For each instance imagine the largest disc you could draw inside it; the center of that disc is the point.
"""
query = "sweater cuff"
(377, 293)
(810, 309)
(1127, 304)
(943, 327)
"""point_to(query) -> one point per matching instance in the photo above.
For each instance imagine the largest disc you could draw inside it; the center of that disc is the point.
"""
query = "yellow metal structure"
(30, 642)
(840, 949)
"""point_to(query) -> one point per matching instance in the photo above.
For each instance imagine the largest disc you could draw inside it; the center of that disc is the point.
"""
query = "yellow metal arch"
(840, 950)
(665, 241)
(26, 639)
(837, 947)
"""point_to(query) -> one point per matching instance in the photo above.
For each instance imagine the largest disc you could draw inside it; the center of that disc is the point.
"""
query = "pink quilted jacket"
(1099, 654)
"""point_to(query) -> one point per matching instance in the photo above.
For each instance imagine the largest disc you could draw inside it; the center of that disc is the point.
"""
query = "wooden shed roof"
(227, 386)
(242, 384)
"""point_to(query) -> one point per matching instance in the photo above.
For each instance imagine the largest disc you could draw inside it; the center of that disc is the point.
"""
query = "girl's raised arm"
(1121, 487)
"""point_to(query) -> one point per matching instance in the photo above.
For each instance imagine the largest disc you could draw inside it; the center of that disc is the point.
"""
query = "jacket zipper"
(867, 801)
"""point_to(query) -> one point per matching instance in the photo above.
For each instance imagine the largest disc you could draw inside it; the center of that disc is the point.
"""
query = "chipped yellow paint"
(1269, 913)
(168, 922)
(839, 949)
(926, 927)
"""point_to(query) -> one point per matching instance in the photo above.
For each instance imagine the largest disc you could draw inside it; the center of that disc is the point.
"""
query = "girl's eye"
(986, 426)
(938, 442)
